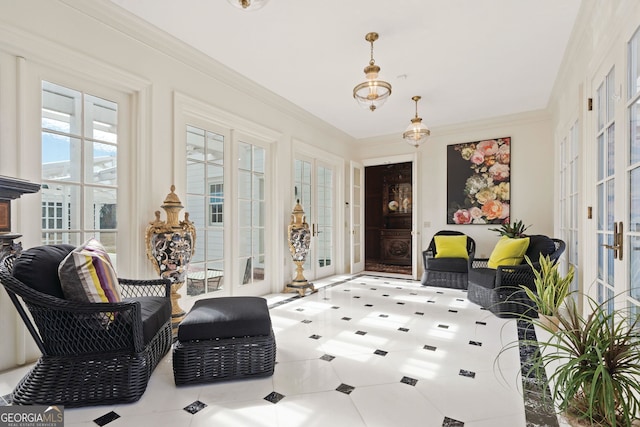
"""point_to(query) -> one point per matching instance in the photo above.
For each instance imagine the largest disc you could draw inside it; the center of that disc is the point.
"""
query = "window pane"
(634, 200)
(634, 126)
(101, 167)
(61, 109)
(634, 65)
(634, 266)
(101, 118)
(100, 209)
(60, 157)
(195, 178)
(68, 197)
(244, 156)
(215, 245)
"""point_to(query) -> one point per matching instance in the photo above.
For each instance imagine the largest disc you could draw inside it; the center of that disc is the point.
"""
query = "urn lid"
(297, 215)
(172, 200)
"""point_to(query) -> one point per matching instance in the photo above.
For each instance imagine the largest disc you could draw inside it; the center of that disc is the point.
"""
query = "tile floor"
(362, 351)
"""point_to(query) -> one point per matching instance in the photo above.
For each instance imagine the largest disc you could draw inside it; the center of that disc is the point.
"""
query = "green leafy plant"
(512, 229)
(551, 288)
(591, 364)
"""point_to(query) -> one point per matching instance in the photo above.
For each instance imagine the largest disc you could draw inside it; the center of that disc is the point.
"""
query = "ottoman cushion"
(226, 317)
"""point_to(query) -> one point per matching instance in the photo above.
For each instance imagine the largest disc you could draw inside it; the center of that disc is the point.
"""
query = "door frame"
(415, 196)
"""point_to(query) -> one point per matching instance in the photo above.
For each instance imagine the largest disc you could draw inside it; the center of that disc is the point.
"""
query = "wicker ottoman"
(223, 339)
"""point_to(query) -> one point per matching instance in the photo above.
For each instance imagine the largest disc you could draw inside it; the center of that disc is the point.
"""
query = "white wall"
(532, 185)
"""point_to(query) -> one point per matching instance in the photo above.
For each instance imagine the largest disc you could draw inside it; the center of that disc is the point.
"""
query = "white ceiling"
(468, 59)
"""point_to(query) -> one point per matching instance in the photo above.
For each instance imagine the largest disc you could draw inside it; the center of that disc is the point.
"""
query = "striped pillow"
(87, 275)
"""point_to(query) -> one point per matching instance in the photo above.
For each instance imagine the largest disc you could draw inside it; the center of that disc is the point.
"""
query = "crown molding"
(121, 20)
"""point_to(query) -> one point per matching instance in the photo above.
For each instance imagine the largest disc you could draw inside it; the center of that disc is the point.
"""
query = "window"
(569, 200)
(205, 204)
(79, 167)
(216, 203)
(251, 212)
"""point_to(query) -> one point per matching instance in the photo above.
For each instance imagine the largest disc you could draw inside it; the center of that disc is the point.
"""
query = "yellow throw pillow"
(451, 247)
(508, 251)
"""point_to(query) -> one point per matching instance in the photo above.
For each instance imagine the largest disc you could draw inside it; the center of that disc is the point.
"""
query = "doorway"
(388, 218)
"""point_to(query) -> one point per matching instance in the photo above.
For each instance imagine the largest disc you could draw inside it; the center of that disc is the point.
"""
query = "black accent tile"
(440, 292)
(459, 299)
(398, 287)
(478, 343)
(380, 352)
(327, 357)
(386, 283)
(356, 296)
(481, 323)
(409, 380)
(413, 293)
(385, 295)
(300, 309)
(306, 321)
(431, 301)
(451, 422)
(403, 329)
(384, 315)
(374, 289)
(347, 290)
(443, 326)
(453, 311)
(315, 337)
(111, 416)
(468, 374)
(274, 397)
(361, 333)
(335, 307)
(195, 407)
(346, 318)
(345, 388)
(430, 348)
(326, 299)
(419, 313)
(400, 303)
(368, 305)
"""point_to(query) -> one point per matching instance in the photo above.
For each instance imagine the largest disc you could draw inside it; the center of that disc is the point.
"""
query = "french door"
(356, 213)
(314, 188)
(616, 96)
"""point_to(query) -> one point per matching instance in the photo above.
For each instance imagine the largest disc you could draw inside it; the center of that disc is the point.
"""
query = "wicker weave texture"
(226, 359)
(92, 379)
(504, 302)
(444, 279)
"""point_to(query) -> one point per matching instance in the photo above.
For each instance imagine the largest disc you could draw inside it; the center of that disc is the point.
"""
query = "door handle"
(618, 238)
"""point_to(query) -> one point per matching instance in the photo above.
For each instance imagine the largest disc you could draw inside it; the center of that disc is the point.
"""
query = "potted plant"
(591, 365)
(512, 229)
(551, 289)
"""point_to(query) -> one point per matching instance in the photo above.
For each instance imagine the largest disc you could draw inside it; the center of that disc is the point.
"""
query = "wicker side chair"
(445, 272)
(498, 290)
(92, 353)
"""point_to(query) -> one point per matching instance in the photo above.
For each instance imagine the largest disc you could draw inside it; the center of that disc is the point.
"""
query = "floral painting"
(478, 178)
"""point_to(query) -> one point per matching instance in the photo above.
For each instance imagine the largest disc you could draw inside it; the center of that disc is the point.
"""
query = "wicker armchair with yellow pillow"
(446, 260)
(494, 282)
(100, 336)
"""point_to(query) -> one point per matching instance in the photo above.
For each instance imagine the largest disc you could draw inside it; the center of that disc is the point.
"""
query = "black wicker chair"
(445, 272)
(92, 353)
(499, 291)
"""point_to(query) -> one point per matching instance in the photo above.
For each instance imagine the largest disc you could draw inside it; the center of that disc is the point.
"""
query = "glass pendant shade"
(372, 93)
(248, 4)
(417, 132)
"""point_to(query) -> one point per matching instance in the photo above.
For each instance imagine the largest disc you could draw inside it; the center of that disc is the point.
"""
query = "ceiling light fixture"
(248, 4)
(417, 132)
(373, 92)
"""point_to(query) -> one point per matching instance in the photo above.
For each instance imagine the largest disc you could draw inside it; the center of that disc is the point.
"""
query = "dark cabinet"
(395, 246)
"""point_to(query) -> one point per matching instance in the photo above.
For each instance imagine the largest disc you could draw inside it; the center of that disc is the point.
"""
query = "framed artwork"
(5, 216)
(478, 182)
